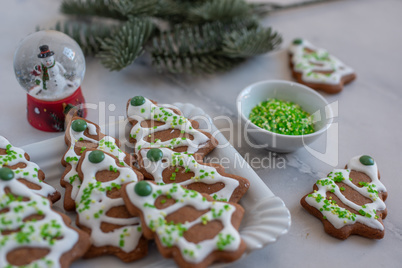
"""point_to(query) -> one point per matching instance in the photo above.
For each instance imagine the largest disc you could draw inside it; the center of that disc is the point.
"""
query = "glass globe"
(49, 65)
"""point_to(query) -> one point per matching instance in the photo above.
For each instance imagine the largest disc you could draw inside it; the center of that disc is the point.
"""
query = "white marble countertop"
(364, 34)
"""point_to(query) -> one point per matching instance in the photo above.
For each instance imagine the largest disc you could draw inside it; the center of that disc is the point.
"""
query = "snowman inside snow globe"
(50, 66)
(53, 81)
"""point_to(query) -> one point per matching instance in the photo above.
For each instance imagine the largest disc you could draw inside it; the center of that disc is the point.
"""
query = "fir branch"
(248, 43)
(115, 9)
(201, 48)
(126, 45)
(219, 10)
(86, 35)
(213, 35)
(101, 8)
(135, 7)
(175, 11)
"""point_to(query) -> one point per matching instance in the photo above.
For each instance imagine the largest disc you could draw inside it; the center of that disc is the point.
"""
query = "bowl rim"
(330, 116)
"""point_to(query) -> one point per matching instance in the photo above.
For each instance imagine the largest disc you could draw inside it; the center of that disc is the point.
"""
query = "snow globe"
(50, 66)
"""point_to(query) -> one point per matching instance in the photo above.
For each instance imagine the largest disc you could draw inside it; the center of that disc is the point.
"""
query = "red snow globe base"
(49, 115)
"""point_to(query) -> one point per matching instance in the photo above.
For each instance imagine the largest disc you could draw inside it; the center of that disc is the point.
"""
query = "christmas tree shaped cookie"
(316, 68)
(158, 126)
(26, 172)
(189, 226)
(166, 166)
(101, 210)
(82, 134)
(31, 233)
(350, 201)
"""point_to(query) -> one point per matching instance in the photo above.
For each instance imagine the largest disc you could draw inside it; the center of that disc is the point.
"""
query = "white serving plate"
(265, 220)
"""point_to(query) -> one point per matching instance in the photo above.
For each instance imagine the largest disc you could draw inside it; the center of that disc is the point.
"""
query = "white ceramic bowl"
(309, 100)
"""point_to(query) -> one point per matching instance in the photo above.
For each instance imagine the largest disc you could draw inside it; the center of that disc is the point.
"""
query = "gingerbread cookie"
(27, 172)
(189, 226)
(82, 134)
(166, 166)
(350, 201)
(32, 234)
(101, 210)
(157, 126)
(316, 68)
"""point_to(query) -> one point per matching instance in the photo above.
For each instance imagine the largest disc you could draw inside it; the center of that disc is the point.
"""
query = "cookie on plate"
(188, 226)
(101, 210)
(26, 172)
(350, 201)
(82, 134)
(166, 166)
(316, 68)
(157, 126)
(32, 234)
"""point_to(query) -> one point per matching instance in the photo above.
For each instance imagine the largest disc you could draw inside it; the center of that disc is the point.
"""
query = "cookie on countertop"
(82, 134)
(31, 233)
(157, 126)
(350, 201)
(101, 209)
(316, 68)
(26, 172)
(166, 166)
(188, 226)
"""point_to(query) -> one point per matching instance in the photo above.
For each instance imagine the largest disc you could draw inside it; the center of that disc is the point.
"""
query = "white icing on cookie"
(106, 144)
(50, 232)
(93, 204)
(319, 60)
(340, 217)
(30, 172)
(202, 173)
(162, 113)
(171, 234)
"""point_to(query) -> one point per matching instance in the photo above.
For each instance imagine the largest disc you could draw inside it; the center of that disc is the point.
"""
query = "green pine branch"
(248, 43)
(101, 8)
(135, 7)
(210, 47)
(222, 10)
(126, 45)
(172, 10)
(87, 35)
(200, 36)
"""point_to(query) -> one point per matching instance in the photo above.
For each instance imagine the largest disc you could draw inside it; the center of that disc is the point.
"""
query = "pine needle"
(219, 10)
(248, 43)
(195, 49)
(101, 8)
(201, 36)
(126, 45)
(135, 7)
(86, 35)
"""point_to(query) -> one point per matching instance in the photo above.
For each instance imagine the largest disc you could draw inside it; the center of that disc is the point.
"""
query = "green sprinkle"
(282, 117)
(224, 241)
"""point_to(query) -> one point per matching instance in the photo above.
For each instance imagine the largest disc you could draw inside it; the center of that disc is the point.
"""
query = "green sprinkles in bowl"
(282, 117)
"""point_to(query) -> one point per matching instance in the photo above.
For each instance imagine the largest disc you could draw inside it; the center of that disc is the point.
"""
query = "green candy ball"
(366, 160)
(143, 188)
(155, 154)
(137, 101)
(6, 174)
(79, 125)
(96, 156)
(297, 41)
